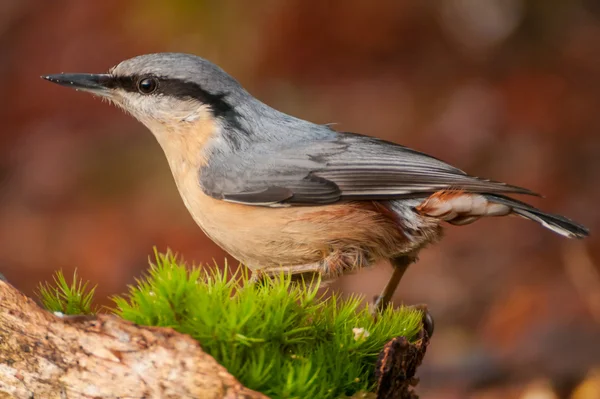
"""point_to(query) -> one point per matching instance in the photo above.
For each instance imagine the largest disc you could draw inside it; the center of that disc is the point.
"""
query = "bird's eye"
(147, 85)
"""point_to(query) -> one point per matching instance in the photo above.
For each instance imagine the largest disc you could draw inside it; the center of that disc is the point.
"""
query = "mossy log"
(48, 356)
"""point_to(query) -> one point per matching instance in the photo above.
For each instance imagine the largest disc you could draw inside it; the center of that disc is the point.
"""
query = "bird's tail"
(558, 224)
(459, 208)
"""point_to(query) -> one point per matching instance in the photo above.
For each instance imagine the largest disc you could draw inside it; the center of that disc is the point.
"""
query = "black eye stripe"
(126, 83)
(176, 88)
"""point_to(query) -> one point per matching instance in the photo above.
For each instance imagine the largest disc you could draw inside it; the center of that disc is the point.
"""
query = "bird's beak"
(94, 83)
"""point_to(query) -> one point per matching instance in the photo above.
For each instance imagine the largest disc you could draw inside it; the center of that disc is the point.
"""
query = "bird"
(286, 195)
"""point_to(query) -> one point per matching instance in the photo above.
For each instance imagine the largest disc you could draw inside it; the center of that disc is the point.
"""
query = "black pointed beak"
(95, 83)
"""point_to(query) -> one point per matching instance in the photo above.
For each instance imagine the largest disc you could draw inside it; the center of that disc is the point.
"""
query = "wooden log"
(43, 355)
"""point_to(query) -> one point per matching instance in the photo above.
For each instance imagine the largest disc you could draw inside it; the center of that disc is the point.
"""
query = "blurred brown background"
(507, 89)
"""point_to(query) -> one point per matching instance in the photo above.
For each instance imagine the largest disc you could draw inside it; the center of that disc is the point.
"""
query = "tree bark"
(47, 356)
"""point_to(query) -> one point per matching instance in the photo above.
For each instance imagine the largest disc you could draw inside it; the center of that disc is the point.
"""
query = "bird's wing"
(346, 166)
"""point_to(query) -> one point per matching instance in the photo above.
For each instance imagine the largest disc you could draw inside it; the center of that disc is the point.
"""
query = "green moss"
(277, 337)
(74, 298)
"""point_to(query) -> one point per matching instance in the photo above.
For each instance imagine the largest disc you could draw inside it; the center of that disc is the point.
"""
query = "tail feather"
(559, 224)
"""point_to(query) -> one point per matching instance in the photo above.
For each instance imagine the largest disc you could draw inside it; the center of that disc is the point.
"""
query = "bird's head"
(170, 93)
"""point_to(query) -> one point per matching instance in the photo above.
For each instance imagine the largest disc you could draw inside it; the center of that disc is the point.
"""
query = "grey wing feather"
(345, 166)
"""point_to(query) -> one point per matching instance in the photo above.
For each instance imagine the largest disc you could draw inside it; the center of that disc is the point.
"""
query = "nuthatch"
(283, 194)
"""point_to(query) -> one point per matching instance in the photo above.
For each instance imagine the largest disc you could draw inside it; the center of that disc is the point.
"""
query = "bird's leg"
(400, 265)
